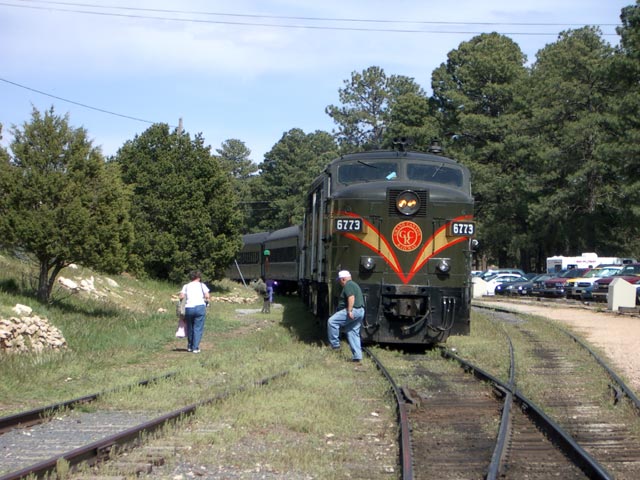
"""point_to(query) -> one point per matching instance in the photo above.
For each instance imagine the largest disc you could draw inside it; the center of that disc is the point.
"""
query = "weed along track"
(70, 439)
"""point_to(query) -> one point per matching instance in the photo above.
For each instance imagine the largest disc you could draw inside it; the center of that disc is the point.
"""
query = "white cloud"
(247, 82)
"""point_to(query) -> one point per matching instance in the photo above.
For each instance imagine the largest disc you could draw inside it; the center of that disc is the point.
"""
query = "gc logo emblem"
(407, 236)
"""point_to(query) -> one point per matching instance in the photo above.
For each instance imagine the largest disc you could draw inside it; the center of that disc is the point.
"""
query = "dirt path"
(618, 336)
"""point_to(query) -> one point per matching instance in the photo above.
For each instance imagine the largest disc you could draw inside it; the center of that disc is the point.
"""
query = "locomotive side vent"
(393, 195)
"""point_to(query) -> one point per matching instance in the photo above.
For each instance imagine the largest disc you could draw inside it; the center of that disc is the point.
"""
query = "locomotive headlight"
(443, 266)
(407, 202)
(368, 263)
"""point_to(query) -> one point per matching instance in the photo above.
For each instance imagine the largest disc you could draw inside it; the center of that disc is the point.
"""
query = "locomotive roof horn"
(435, 147)
(401, 143)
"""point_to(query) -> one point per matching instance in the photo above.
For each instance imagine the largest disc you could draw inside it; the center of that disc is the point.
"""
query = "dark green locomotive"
(402, 224)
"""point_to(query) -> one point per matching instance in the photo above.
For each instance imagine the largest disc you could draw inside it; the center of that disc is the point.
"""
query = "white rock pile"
(26, 332)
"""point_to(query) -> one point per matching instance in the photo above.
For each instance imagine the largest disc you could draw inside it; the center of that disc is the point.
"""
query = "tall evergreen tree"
(235, 157)
(475, 92)
(411, 117)
(367, 100)
(60, 203)
(624, 125)
(184, 209)
(286, 174)
(570, 97)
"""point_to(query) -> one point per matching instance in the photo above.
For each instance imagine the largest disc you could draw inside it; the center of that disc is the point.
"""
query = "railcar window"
(362, 172)
(283, 254)
(249, 258)
(438, 173)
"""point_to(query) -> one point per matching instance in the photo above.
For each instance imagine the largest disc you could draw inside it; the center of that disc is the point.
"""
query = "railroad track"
(588, 415)
(462, 428)
(69, 440)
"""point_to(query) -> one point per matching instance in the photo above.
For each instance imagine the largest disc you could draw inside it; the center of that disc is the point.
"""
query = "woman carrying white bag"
(182, 324)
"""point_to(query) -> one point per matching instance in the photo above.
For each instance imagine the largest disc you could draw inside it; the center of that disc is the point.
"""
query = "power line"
(280, 25)
(319, 19)
(78, 103)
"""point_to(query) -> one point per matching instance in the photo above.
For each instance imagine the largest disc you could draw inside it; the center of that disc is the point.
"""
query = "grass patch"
(324, 419)
(114, 334)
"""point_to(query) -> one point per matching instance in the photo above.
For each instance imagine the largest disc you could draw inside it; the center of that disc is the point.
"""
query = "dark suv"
(557, 285)
(630, 273)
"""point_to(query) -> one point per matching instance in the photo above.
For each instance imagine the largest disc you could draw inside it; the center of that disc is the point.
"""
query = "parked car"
(491, 273)
(532, 286)
(501, 278)
(502, 288)
(582, 287)
(630, 273)
(557, 286)
(515, 287)
(537, 284)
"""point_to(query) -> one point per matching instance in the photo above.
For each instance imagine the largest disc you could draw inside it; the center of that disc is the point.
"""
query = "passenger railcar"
(271, 255)
(281, 253)
(402, 224)
(248, 264)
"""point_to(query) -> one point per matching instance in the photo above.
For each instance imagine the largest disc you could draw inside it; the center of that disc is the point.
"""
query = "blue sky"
(253, 73)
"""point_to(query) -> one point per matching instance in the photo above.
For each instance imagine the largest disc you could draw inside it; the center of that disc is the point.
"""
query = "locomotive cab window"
(363, 172)
(437, 173)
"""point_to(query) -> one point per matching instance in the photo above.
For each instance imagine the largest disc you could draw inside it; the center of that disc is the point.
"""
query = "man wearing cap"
(348, 317)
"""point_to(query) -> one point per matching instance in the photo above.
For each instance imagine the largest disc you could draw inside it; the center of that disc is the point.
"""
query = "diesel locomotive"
(402, 223)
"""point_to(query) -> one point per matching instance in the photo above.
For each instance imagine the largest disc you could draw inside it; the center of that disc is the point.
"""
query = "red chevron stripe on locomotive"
(433, 245)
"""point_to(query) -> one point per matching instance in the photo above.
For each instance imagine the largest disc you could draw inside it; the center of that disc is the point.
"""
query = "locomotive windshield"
(435, 173)
(369, 171)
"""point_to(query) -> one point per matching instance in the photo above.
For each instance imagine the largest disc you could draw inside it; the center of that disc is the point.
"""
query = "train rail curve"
(559, 377)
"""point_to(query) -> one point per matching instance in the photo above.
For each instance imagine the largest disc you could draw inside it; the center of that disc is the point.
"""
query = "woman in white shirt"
(197, 295)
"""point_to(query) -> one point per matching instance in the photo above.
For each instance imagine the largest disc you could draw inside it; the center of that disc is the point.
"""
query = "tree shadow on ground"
(300, 322)
(64, 302)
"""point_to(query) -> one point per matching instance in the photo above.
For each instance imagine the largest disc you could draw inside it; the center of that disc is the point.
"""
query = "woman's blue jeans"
(194, 317)
(340, 321)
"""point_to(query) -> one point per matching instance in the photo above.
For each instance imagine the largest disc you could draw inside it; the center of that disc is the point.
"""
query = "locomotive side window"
(362, 172)
(437, 173)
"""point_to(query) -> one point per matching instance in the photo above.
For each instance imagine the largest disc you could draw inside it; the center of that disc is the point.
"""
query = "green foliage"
(411, 117)
(576, 184)
(184, 208)
(368, 99)
(286, 174)
(61, 203)
(234, 157)
(475, 92)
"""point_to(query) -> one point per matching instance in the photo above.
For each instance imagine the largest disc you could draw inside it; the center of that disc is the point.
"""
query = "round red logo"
(407, 236)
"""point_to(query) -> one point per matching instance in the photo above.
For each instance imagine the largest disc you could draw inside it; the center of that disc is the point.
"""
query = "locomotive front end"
(404, 223)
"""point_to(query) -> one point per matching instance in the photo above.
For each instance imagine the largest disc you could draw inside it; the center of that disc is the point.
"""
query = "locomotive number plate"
(348, 224)
(461, 229)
